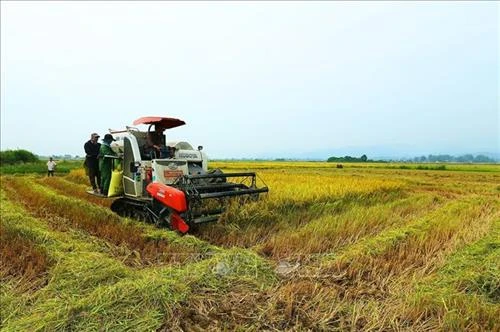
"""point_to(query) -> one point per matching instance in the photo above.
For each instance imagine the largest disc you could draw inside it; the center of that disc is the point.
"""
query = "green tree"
(9, 157)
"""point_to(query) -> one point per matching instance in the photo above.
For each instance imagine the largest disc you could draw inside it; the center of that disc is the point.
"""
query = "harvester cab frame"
(177, 189)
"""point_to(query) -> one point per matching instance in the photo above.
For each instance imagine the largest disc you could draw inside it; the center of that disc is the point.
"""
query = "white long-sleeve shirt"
(51, 165)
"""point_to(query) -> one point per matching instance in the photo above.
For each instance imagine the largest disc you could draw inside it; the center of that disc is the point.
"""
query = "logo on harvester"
(188, 155)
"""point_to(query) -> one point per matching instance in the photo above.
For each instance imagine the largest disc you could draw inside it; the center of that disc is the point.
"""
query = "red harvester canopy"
(166, 123)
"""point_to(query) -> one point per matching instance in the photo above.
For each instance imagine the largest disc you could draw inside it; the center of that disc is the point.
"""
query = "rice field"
(365, 247)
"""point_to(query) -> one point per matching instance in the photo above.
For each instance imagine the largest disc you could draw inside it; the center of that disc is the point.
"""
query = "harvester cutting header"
(168, 183)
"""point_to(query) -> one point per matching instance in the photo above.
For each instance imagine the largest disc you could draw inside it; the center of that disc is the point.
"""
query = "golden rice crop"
(331, 232)
(97, 222)
(72, 189)
(366, 247)
(19, 257)
(78, 176)
(300, 187)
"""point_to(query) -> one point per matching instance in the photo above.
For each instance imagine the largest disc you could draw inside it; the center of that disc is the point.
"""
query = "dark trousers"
(50, 173)
(94, 175)
(92, 165)
(105, 181)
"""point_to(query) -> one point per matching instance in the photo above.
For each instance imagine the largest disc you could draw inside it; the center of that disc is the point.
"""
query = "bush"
(10, 157)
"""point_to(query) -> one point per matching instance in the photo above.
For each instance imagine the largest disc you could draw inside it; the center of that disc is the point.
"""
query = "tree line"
(349, 159)
(10, 157)
(466, 158)
(446, 158)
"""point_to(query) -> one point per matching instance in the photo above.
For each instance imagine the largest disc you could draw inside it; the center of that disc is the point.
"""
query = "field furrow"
(151, 247)
(417, 246)
(71, 189)
(257, 223)
(464, 293)
(332, 232)
(20, 257)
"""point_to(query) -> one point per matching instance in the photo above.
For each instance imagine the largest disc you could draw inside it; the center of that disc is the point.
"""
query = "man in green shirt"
(106, 163)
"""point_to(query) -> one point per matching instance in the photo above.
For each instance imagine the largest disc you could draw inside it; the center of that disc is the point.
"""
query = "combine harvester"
(172, 186)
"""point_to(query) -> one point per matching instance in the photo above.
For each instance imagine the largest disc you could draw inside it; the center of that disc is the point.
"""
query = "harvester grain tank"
(172, 185)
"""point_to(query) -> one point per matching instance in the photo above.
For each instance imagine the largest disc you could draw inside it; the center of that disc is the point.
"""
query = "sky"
(255, 79)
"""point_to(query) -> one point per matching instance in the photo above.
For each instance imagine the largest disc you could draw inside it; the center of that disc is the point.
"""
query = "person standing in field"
(92, 162)
(106, 164)
(51, 167)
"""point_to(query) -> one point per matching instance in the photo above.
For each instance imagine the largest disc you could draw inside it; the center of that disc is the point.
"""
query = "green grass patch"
(40, 167)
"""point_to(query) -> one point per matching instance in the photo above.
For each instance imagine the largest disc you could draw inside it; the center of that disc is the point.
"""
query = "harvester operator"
(154, 147)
